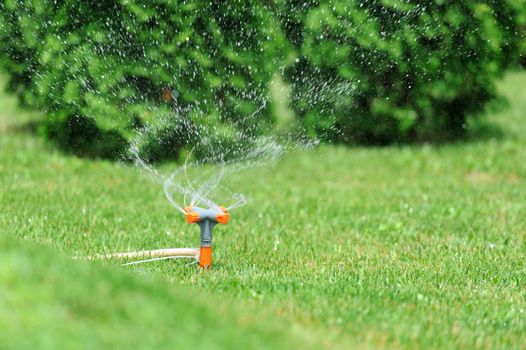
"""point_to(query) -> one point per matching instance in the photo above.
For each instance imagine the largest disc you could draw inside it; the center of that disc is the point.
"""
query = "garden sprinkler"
(206, 219)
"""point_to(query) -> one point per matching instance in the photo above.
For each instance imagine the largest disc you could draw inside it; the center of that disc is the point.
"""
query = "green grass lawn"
(398, 247)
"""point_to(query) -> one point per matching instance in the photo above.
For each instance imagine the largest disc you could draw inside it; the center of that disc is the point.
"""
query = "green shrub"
(397, 71)
(522, 37)
(102, 71)
(376, 71)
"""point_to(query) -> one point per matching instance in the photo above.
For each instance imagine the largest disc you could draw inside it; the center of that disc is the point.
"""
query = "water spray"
(194, 201)
(191, 195)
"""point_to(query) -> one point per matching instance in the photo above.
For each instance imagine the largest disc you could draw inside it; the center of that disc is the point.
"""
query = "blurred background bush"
(360, 72)
(103, 70)
(398, 71)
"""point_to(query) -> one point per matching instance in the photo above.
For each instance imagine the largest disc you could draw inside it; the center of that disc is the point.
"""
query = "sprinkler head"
(206, 219)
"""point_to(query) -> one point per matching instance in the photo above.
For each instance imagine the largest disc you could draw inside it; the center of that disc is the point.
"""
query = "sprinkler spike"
(205, 257)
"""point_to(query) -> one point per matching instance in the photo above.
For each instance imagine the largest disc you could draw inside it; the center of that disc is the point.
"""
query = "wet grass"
(398, 247)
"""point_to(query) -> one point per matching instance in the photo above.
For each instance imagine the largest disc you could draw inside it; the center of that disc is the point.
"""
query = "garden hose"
(205, 218)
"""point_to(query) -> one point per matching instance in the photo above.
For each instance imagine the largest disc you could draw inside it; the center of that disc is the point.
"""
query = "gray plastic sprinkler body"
(206, 219)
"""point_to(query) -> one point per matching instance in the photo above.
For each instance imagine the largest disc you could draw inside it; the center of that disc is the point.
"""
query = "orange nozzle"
(224, 216)
(205, 257)
(191, 216)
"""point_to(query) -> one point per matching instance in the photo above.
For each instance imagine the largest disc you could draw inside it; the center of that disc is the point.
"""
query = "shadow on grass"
(80, 137)
(481, 129)
(26, 127)
(74, 138)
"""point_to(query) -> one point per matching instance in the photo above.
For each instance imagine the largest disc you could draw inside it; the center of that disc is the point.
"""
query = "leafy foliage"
(104, 70)
(375, 72)
(522, 37)
(398, 71)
